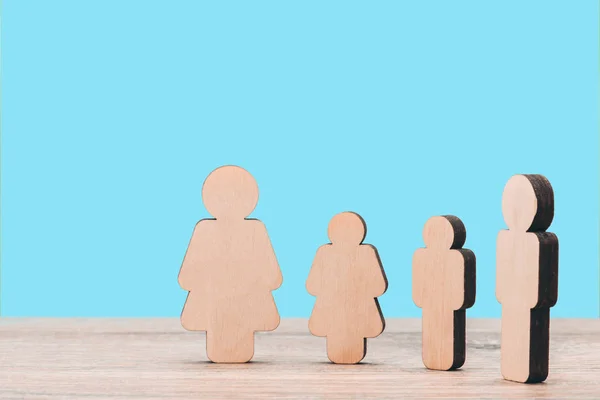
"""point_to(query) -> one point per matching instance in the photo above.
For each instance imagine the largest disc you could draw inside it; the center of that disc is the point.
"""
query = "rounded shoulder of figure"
(507, 234)
(542, 238)
(421, 252)
(462, 256)
(253, 222)
(325, 248)
(504, 233)
(249, 227)
(205, 224)
(368, 251)
(367, 248)
(512, 238)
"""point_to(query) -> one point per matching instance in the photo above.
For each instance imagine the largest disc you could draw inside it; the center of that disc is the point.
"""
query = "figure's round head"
(444, 232)
(230, 192)
(528, 203)
(347, 228)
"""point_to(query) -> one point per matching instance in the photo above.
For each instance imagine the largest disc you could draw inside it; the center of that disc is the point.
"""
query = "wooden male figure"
(444, 287)
(526, 277)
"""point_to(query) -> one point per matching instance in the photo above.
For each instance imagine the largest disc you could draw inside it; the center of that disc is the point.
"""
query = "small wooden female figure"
(526, 277)
(230, 270)
(346, 278)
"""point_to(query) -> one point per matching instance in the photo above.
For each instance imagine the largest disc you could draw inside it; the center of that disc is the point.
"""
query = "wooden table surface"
(157, 359)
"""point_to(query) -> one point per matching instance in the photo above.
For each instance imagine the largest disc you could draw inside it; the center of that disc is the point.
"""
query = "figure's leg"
(343, 349)
(229, 346)
(460, 339)
(540, 344)
(438, 339)
(515, 343)
(427, 351)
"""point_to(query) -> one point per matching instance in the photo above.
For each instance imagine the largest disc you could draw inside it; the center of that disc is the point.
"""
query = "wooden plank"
(158, 359)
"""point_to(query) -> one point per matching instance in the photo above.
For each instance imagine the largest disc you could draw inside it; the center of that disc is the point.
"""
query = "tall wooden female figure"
(230, 270)
(346, 277)
(526, 277)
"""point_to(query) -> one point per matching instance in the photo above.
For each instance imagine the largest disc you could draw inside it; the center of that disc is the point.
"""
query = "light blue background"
(115, 111)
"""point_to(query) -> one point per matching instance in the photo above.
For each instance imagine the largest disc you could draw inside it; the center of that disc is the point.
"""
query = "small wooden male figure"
(526, 277)
(444, 287)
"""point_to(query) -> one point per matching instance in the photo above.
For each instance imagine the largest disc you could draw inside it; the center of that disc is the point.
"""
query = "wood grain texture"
(158, 359)
(346, 278)
(230, 269)
(444, 287)
(527, 277)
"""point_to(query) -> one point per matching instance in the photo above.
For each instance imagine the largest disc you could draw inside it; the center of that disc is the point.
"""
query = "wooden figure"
(346, 278)
(526, 277)
(230, 270)
(444, 287)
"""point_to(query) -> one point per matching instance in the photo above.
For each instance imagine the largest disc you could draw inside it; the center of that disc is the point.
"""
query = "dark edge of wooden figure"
(460, 232)
(470, 277)
(382, 273)
(539, 331)
(539, 342)
(460, 338)
(545, 199)
(548, 269)
(380, 265)
(364, 349)
(385, 290)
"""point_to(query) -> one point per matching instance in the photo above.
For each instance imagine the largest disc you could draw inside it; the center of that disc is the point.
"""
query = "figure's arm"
(315, 276)
(191, 258)
(463, 278)
(552, 251)
(377, 280)
(546, 284)
(273, 275)
(418, 278)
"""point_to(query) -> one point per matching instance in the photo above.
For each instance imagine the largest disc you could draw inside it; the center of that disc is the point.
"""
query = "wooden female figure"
(346, 278)
(526, 277)
(230, 270)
